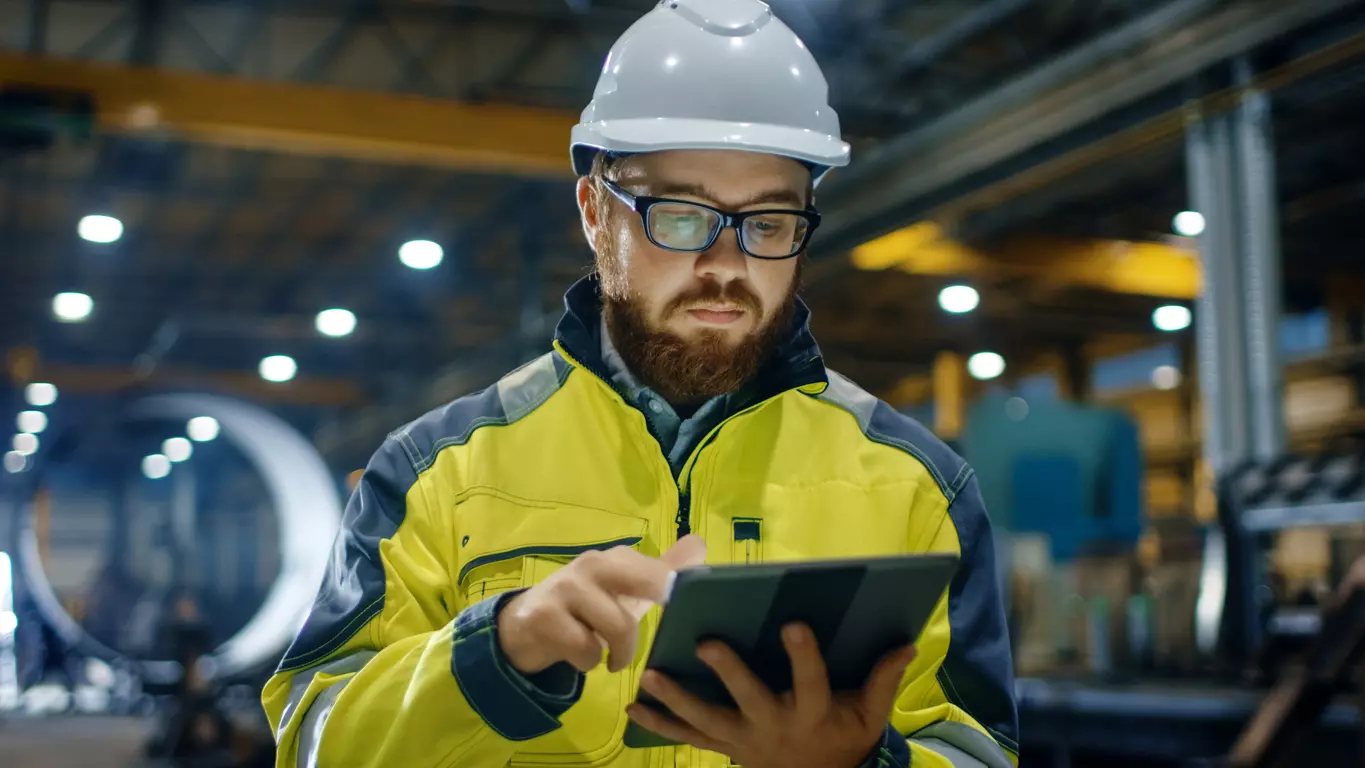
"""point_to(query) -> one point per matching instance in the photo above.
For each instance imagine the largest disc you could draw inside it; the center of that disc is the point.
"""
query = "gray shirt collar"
(677, 436)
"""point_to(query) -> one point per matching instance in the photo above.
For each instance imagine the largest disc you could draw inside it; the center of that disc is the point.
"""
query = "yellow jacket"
(398, 663)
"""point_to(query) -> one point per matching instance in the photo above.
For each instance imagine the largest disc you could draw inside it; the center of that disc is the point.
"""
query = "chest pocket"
(510, 542)
(772, 522)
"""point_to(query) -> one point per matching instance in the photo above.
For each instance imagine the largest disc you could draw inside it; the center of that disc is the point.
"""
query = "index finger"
(623, 572)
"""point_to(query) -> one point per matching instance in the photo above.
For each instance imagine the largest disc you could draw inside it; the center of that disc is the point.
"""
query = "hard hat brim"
(666, 133)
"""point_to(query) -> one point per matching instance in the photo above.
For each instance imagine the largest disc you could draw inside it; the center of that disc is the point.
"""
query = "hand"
(807, 726)
(593, 603)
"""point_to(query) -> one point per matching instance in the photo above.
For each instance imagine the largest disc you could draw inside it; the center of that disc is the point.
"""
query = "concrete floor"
(73, 742)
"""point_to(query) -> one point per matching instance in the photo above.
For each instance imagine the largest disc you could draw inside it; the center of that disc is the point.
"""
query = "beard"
(687, 371)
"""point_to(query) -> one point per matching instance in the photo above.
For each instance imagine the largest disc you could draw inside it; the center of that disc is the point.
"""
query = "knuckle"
(536, 614)
(590, 559)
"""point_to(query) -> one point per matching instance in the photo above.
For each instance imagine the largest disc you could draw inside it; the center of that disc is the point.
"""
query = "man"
(483, 604)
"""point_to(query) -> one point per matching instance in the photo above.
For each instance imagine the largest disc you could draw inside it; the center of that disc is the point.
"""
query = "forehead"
(728, 176)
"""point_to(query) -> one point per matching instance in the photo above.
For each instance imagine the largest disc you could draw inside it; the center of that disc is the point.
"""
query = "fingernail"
(794, 634)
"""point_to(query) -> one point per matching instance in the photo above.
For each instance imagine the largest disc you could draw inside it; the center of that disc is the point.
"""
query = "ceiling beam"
(1138, 268)
(906, 177)
(308, 119)
(98, 380)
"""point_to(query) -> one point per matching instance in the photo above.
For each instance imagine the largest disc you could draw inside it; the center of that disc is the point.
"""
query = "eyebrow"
(784, 196)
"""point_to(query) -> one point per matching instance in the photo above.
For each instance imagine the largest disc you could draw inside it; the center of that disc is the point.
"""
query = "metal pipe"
(1026, 87)
(925, 53)
(1217, 322)
(1260, 262)
(908, 175)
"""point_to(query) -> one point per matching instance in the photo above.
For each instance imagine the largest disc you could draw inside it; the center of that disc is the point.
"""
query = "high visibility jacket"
(398, 662)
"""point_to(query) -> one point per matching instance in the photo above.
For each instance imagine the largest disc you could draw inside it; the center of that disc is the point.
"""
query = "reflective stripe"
(963, 745)
(851, 398)
(310, 732)
(526, 388)
(341, 666)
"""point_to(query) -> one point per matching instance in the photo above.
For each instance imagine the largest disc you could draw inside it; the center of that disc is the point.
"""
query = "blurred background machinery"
(1110, 249)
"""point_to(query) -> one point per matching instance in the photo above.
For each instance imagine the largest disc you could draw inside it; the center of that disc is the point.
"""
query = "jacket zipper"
(683, 518)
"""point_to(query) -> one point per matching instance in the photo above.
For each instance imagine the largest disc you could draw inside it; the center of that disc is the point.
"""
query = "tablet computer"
(859, 610)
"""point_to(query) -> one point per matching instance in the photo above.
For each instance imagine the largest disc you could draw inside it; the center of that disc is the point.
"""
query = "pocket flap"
(497, 527)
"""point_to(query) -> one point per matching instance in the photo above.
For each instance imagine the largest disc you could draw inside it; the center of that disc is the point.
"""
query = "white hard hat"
(711, 74)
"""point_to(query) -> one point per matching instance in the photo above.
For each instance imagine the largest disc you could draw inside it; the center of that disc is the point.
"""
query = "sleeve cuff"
(892, 752)
(515, 706)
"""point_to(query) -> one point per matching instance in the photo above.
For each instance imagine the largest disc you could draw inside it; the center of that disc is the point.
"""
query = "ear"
(587, 209)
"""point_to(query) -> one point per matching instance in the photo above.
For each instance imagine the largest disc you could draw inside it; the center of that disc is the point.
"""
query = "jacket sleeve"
(957, 707)
(390, 668)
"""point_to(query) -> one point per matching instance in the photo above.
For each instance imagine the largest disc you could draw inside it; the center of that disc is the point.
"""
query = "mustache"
(710, 292)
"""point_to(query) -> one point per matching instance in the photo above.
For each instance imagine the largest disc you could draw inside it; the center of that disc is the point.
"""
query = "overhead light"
(177, 449)
(100, 229)
(421, 254)
(1171, 317)
(1189, 223)
(959, 299)
(202, 429)
(32, 422)
(40, 394)
(1166, 377)
(985, 365)
(15, 462)
(278, 368)
(25, 444)
(156, 466)
(336, 322)
(72, 307)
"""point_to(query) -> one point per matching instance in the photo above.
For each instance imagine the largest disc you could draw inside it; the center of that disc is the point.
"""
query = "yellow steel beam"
(1149, 269)
(309, 119)
(89, 380)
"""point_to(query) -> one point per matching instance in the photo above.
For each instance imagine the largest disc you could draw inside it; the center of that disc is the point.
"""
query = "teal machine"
(1069, 471)
(1071, 476)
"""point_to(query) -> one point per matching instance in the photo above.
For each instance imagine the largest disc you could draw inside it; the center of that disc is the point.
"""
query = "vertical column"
(950, 394)
(1077, 381)
(1260, 251)
(37, 26)
(532, 273)
(1219, 321)
(149, 31)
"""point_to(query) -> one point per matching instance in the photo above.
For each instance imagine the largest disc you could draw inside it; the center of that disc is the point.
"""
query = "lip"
(716, 315)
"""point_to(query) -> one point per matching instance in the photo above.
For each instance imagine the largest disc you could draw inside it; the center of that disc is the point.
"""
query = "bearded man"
(481, 608)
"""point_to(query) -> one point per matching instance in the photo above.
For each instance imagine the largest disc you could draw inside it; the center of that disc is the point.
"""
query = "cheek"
(772, 280)
(656, 276)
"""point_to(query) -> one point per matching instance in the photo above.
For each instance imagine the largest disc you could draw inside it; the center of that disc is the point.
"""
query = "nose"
(723, 262)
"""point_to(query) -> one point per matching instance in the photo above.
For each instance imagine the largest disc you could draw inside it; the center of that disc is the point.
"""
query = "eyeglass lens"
(686, 227)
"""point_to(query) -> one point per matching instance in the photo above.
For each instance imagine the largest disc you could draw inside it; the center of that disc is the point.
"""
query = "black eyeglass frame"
(641, 205)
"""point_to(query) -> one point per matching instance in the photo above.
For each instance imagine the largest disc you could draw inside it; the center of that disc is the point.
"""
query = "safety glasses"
(680, 225)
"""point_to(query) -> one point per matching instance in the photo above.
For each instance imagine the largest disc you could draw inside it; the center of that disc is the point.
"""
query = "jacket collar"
(795, 363)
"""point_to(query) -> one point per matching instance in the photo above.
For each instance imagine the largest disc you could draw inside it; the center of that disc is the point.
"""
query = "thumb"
(879, 692)
(688, 551)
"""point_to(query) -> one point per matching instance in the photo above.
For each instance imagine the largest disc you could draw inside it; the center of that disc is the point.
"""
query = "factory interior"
(1112, 252)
